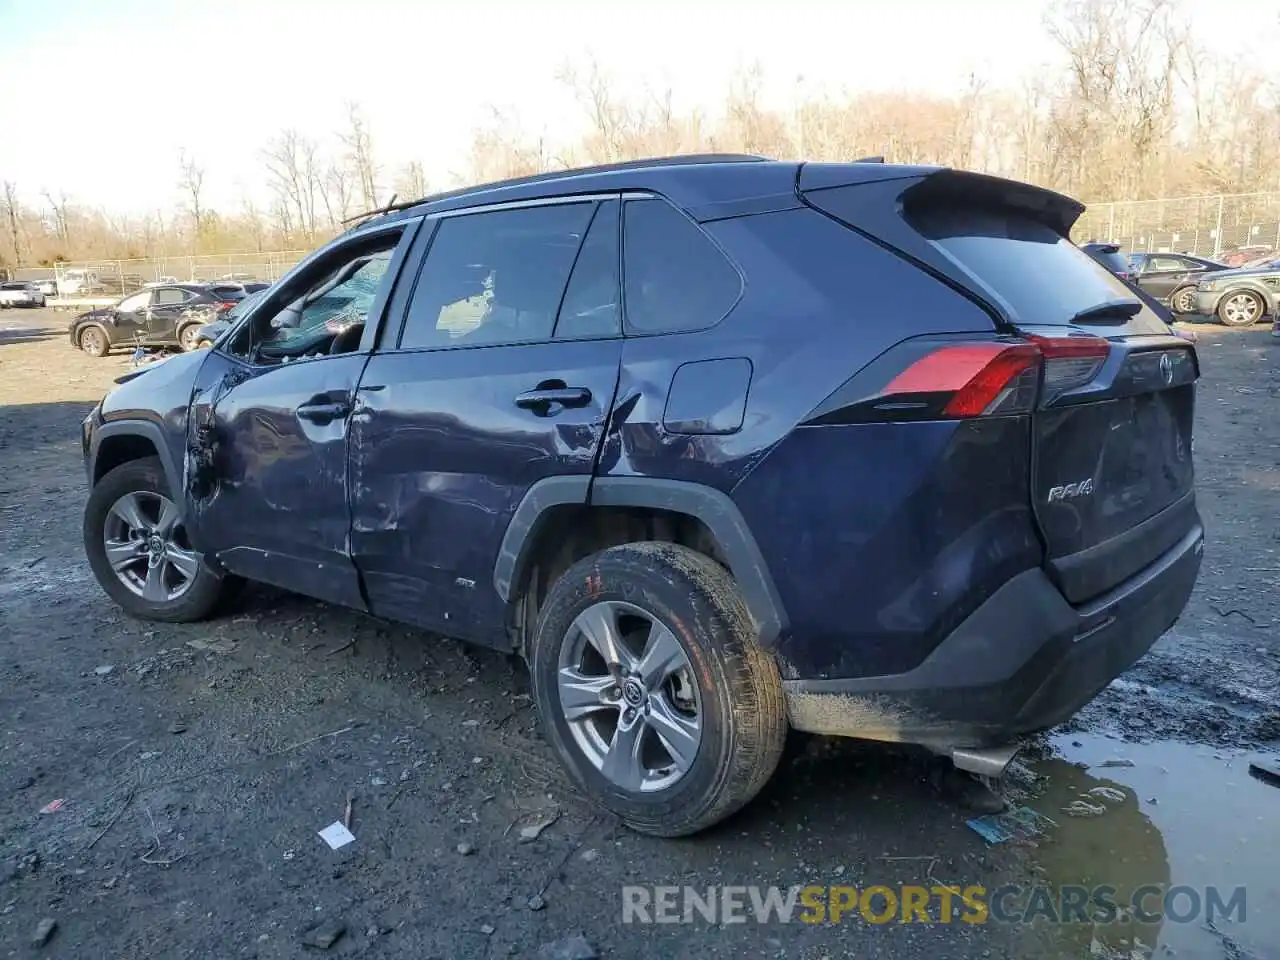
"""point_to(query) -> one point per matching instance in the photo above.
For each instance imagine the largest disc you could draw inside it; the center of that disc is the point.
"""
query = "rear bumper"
(1022, 662)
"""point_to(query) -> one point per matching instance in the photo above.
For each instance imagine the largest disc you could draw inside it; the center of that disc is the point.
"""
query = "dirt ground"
(195, 764)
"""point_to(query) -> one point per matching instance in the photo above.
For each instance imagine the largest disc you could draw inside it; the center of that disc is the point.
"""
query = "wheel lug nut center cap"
(632, 692)
(156, 546)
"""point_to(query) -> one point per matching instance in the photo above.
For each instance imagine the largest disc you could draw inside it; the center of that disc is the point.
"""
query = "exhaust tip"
(987, 761)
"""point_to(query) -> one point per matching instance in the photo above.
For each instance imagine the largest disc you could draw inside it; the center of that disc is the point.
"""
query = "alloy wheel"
(91, 341)
(147, 548)
(1241, 308)
(628, 695)
(1184, 302)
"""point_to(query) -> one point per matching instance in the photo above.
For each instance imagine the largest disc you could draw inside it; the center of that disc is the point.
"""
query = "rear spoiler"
(927, 186)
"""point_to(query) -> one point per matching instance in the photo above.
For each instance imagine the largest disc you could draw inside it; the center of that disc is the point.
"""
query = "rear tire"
(724, 685)
(126, 511)
(93, 341)
(1241, 308)
(1183, 301)
(188, 337)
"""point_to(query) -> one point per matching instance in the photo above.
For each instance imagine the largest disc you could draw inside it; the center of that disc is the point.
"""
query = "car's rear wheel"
(1183, 300)
(1241, 308)
(651, 689)
(137, 545)
(189, 337)
(93, 341)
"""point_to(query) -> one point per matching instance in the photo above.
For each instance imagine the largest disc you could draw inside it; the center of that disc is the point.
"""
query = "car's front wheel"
(1241, 308)
(651, 689)
(93, 341)
(137, 545)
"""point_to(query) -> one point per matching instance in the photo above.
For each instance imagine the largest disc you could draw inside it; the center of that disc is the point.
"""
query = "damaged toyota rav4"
(723, 447)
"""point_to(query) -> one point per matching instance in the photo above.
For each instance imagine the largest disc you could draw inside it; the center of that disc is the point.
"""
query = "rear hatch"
(1112, 479)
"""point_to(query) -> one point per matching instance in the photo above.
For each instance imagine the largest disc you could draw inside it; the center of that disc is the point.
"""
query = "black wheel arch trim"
(148, 431)
(707, 504)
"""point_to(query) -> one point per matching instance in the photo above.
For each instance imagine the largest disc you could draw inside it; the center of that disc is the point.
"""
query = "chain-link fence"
(116, 277)
(1215, 226)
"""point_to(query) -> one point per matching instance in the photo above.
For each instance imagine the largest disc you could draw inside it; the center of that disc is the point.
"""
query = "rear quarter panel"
(819, 303)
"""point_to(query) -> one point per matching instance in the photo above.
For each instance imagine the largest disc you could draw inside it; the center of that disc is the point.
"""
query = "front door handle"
(323, 413)
(540, 401)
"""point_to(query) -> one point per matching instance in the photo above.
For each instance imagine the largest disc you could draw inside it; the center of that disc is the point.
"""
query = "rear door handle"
(541, 400)
(323, 413)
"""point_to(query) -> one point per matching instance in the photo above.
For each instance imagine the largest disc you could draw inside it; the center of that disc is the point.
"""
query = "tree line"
(1139, 110)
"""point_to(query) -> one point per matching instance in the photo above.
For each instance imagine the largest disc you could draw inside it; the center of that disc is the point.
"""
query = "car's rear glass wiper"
(1125, 307)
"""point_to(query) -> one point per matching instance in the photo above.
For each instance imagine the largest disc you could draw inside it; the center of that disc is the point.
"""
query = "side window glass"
(132, 304)
(675, 277)
(327, 309)
(495, 277)
(592, 304)
(168, 296)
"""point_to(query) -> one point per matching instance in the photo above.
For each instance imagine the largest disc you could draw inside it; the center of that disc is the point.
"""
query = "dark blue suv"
(721, 446)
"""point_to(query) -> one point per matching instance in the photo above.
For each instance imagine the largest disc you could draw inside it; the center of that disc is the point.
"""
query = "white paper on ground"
(336, 835)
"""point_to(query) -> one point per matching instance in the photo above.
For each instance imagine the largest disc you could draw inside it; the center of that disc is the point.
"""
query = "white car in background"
(20, 293)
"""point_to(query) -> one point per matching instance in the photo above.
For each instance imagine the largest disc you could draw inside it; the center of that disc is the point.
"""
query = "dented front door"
(267, 471)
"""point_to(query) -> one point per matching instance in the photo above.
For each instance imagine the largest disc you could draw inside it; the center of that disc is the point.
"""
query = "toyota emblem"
(1166, 369)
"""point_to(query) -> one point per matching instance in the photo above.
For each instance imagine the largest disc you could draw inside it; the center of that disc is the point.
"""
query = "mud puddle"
(1189, 820)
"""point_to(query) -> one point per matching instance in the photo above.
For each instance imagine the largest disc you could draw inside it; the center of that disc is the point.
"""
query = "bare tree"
(337, 194)
(609, 117)
(412, 182)
(294, 171)
(59, 207)
(191, 183)
(12, 214)
(359, 144)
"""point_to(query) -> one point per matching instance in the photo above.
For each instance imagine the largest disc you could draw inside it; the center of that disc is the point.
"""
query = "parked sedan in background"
(1172, 277)
(1108, 256)
(167, 316)
(20, 293)
(1241, 297)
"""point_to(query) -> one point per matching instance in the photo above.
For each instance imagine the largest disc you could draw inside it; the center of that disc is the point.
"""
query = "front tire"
(1242, 308)
(651, 689)
(136, 542)
(93, 341)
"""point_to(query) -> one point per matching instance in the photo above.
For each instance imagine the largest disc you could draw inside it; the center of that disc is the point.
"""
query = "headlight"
(1208, 286)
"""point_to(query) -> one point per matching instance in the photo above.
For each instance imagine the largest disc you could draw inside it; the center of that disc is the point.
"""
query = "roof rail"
(682, 160)
(878, 159)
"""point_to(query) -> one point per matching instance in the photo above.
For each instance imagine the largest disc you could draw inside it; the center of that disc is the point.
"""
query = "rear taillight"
(991, 379)
(978, 378)
(1070, 362)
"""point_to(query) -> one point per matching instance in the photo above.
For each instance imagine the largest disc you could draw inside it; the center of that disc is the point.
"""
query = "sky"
(113, 91)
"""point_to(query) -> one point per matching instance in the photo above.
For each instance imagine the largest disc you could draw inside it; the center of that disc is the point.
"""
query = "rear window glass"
(1041, 277)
